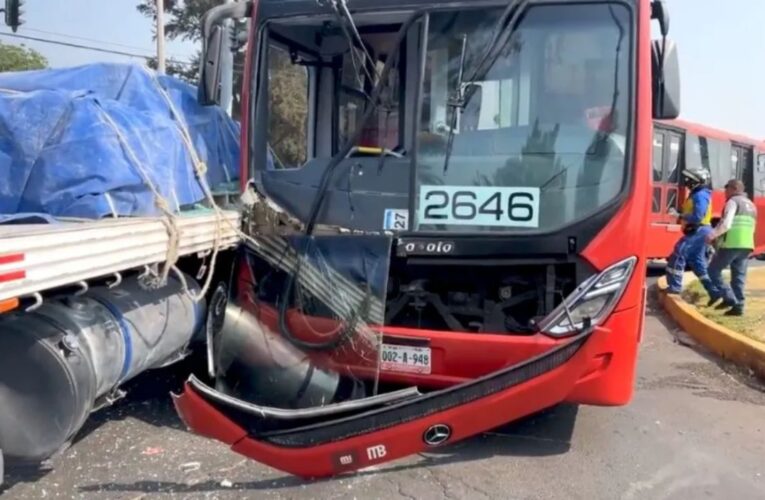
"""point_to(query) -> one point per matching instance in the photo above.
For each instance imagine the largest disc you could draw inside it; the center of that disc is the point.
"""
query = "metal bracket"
(117, 281)
(83, 289)
(38, 302)
(109, 399)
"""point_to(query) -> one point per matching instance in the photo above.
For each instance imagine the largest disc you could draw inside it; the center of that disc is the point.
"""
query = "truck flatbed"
(39, 257)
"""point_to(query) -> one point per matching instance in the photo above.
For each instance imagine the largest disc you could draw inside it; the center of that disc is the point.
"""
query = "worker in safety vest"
(735, 237)
(696, 220)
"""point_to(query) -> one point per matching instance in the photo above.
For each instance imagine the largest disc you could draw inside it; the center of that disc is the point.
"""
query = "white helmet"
(696, 177)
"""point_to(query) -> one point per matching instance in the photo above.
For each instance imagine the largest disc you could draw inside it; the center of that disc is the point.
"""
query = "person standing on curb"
(735, 233)
(696, 220)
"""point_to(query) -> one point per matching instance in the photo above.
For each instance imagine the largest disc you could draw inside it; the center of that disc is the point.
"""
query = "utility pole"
(227, 65)
(161, 37)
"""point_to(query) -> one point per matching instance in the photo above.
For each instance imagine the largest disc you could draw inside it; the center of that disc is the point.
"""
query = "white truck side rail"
(39, 257)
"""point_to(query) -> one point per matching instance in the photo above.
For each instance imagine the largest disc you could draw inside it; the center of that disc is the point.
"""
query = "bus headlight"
(591, 302)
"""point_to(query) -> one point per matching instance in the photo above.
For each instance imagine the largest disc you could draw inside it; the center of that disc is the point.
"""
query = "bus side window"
(289, 106)
(658, 156)
(697, 154)
(658, 162)
(719, 161)
(673, 173)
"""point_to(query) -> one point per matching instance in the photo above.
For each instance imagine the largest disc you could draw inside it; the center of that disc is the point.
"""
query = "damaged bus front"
(446, 204)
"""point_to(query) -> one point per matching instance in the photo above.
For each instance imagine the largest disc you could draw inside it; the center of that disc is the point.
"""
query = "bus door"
(758, 182)
(742, 166)
(666, 175)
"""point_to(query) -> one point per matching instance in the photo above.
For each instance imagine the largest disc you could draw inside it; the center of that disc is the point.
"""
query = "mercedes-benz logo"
(437, 434)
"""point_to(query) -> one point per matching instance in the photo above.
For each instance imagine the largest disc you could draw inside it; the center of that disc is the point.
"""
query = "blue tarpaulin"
(82, 142)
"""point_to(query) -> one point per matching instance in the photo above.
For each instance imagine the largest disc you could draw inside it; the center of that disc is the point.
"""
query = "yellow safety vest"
(688, 210)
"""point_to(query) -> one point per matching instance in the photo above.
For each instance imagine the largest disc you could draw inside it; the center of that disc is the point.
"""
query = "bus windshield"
(541, 141)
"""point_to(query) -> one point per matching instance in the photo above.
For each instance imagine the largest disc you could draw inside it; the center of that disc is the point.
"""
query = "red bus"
(679, 145)
(445, 203)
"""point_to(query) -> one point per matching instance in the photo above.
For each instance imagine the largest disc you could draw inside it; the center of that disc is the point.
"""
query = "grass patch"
(752, 324)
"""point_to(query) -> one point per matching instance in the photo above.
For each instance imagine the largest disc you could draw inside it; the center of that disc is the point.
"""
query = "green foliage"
(183, 21)
(750, 324)
(288, 88)
(184, 17)
(15, 58)
(187, 72)
(288, 115)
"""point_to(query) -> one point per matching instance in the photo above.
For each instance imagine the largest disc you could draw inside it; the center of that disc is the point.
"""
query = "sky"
(721, 46)
(106, 24)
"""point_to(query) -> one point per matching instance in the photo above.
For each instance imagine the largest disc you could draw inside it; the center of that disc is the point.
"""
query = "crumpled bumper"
(332, 443)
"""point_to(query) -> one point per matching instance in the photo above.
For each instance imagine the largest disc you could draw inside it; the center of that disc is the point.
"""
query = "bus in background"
(679, 145)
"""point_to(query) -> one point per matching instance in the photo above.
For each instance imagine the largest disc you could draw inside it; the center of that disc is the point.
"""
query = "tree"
(188, 72)
(20, 58)
(288, 111)
(184, 22)
(185, 17)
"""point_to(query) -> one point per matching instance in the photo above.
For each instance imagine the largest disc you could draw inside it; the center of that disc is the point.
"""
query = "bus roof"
(711, 132)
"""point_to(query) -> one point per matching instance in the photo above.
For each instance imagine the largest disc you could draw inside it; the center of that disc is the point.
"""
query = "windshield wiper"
(456, 105)
(466, 88)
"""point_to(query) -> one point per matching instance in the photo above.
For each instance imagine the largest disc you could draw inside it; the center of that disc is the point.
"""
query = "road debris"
(190, 467)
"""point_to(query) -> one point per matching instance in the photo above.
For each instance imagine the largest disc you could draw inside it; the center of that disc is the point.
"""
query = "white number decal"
(479, 206)
(396, 220)
(376, 452)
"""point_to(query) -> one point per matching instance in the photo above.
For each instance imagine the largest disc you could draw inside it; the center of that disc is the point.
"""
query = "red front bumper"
(600, 371)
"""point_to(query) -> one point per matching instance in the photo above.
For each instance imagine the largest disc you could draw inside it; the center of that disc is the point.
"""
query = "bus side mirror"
(666, 80)
(660, 13)
(211, 67)
(210, 74)
(761, 162)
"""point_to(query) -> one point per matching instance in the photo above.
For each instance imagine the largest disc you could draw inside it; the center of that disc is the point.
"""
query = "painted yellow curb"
(723, 341)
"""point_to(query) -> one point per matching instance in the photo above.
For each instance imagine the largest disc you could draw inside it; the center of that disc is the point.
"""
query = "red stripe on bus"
(11, 258)
(13, 276)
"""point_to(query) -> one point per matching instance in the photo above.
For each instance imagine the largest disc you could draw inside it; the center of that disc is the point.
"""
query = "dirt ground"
(752, 324)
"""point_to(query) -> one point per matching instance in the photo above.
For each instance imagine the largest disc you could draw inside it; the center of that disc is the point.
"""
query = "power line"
(88, 47)
(75, 37)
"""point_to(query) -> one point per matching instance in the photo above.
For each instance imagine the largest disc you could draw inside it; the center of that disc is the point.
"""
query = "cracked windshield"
(382, 249)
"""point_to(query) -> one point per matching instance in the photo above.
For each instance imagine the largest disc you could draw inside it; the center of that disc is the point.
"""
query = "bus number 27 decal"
(479, 206)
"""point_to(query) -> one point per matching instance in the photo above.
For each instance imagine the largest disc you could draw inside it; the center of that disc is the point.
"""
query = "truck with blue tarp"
(115, 207)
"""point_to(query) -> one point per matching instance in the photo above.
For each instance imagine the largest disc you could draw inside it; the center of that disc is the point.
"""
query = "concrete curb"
(724, 342)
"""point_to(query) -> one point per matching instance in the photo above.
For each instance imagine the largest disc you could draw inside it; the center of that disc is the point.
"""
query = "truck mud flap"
(366, 433)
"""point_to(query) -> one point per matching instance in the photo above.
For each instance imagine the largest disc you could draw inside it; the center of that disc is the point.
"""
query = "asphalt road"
(696, 429)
